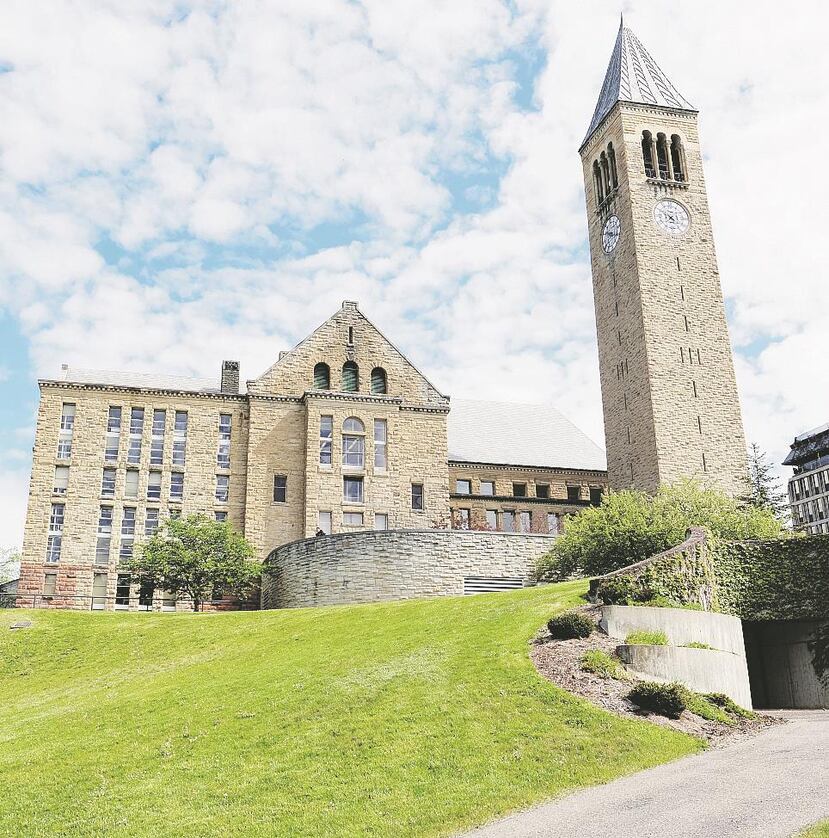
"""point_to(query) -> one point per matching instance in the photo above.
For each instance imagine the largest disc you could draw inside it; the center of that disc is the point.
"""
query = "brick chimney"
(230, 377)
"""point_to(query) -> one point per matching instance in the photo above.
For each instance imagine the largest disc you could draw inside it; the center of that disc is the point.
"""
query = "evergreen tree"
(763, 486)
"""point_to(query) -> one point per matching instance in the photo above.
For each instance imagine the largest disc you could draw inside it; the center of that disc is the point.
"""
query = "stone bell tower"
(669, 393)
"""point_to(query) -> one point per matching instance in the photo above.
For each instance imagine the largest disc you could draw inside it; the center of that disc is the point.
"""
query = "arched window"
(678, 158)
(597, 182)
(611, 157)
(378, 381)
(354, 443)
(647, 154)
(662, 157)
(351, 377)
(322, 377)
(605, 174)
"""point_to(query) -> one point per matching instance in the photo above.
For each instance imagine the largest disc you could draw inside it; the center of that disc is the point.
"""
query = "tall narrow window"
(113, 437)
(597, 182)
(324, 522)
(326, 439)
(322, 377)
(611, 159)
(102, 546)
(180, 438)
(280, 488)
(50, 584)
(605, 167)
(354, 443)
(677, 158)
(223, 452)
(378, 381)
(418, 499)
(222, 488)
(492, 519)
(131, 483)
(108, 483)
(151, 522)
(351, 377)
(508, 520)
(157, 441)
(53, 545)
(526, 521)
(61, 481)
(647, 154)
(67, 424)
(153, 486)
(136, 431)
(127, 534)
(461, 519)
(381, 460)
(662, 157)
(99, 591)
(122, 591)
(552, 523)
(177, 485)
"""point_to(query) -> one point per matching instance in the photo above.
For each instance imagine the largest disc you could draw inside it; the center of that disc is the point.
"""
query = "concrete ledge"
(680, 625)
(703, 670)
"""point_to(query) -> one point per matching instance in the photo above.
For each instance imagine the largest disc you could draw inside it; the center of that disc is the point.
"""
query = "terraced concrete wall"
(369, 566)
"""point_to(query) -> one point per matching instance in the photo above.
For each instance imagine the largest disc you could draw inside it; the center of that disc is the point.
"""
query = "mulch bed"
(559, 661)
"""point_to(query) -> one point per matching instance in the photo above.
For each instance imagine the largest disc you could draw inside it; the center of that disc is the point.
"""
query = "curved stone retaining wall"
(371, 566)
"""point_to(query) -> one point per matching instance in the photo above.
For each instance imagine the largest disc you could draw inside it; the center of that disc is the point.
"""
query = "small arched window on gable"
(378, 381)
(322, 377)
(611, 159)
(648, 154)
(662, 157)
(678, 158)
(351, 377)
(597, 182)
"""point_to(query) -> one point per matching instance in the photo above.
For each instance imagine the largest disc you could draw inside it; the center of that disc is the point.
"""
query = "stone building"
(341, 434)
(669, 394)
(809, 485)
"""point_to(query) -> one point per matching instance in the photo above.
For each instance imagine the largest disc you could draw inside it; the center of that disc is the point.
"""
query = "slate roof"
(633, 76)
(519, 435)
(140, 380)
(808, 446)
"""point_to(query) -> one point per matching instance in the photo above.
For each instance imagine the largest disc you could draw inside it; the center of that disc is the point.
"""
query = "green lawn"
(819, 830)
(398, 719)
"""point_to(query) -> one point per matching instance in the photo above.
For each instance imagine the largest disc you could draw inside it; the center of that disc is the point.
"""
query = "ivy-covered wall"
(780, 579)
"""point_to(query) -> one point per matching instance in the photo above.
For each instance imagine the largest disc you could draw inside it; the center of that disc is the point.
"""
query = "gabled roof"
(500, 433)
(139, 380)
(633, 76)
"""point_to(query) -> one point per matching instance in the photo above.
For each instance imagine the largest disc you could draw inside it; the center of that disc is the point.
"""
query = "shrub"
(729, 705)
(666, 699)
(700, 706)
(623, 590)
(603, 665)
(630, 526)
(569, 625)
(647, 638)
(695, 644)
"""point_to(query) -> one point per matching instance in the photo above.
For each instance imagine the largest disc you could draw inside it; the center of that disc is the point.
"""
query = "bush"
(647, 638)
(623, 590)
(630, 526)
(729, 705)
(569, 625)
(700, 706)
(603, 665)
(695, 644)
(665, 699)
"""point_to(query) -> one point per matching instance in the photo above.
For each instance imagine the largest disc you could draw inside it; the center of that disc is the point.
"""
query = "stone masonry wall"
(395, 564)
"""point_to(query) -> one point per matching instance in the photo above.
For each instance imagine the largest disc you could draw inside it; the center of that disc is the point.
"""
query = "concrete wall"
(394, 564)
(703, 670)
(722, 669)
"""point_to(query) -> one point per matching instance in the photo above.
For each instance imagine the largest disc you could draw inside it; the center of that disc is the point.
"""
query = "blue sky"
(185, 182)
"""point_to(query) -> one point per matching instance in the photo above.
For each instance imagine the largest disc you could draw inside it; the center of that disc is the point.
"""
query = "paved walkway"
(769, 786)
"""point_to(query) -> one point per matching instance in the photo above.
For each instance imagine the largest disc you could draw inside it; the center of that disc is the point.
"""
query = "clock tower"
(669, 394)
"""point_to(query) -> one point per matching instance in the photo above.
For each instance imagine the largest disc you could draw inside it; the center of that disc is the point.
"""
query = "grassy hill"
(413, 718)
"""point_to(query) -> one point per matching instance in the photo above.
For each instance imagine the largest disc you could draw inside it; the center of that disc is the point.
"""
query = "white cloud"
(207, 145)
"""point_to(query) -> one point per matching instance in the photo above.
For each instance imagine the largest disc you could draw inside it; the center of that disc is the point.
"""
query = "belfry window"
(648, 154)
(378, 381)
(611, 159)
(351, 377)
(605, 174)
(597, 182)
(678, 158)
(662, 157)
(322, 377)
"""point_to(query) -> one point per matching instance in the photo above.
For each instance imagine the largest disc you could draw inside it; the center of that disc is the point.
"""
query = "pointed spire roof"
(633, 76)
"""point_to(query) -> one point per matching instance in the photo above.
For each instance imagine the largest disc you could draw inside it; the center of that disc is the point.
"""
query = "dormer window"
(378, 381)
(351, 377)
(322, 377)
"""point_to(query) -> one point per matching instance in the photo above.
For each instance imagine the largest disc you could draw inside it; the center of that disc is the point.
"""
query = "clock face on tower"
(672, 217)
(610, 234)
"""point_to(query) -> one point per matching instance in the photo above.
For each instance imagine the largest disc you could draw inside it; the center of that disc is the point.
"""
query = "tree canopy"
(630, 526)
(196, 556)
(763, 486)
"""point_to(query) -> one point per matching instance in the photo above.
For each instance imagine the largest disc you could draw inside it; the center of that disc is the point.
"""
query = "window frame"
(418, 497)
(355, 499)
(280, 486)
